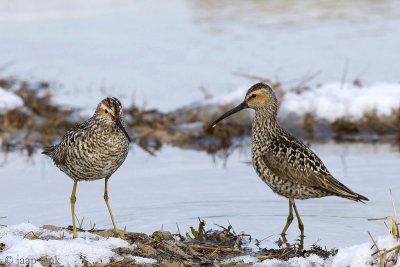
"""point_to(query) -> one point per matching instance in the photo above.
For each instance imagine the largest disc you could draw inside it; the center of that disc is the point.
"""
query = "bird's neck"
(265, 126)
(105, 122)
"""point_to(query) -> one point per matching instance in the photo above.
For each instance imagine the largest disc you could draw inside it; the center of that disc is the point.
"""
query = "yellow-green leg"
(289, 219)
(73, 200)
(301, 226)
(108, 206)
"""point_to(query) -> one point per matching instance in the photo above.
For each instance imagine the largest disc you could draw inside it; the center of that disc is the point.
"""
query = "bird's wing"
(71, 139)
(292, 160)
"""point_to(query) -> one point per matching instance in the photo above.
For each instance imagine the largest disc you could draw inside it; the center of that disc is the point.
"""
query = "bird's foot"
(282, 240)
(283, 236)
(301, 241)
(75, 230)
(120, 233)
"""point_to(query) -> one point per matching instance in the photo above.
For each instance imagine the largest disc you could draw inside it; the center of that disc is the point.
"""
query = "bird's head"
(259, 97)
(109, 111)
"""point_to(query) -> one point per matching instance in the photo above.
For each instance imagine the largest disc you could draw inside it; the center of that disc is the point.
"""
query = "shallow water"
(143, 50)
(177, 186)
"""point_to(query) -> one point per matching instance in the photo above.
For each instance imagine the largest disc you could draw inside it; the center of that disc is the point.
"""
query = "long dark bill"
(119, 124)
(243, 105)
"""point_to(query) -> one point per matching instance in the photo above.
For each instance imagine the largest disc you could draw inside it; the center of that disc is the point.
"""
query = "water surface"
(178, 186)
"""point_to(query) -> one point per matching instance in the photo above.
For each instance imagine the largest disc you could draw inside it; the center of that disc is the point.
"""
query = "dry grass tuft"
(38, 123)
(388, 257)
(370, 125)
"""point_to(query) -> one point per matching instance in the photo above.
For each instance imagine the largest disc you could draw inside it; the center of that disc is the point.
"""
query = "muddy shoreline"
(40, 122)
(199, 247)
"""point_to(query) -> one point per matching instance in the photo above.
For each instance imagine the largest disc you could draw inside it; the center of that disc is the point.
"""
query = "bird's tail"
(361, 198)
(340, 190)
(48, 150)
(355, 197)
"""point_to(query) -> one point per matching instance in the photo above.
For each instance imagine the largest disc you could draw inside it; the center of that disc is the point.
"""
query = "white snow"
(360, 255)
(330, 101)
(9, 100)
(67, 252)
(241, 259)
(312, 260)
(143, 261)
(333, 101)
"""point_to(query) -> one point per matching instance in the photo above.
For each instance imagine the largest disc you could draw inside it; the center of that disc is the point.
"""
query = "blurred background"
(181, 56)
(143, 50)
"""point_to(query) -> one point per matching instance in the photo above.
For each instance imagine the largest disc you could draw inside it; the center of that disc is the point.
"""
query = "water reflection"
(241, 146)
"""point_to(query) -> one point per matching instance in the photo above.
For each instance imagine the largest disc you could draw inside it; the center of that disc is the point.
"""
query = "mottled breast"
(93, 152)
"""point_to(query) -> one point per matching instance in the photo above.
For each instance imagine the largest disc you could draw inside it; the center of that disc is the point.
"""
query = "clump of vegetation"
(38, 123)
(224, 238)
(226, 241)
(296, 250)
(371, 123)
(388, 257)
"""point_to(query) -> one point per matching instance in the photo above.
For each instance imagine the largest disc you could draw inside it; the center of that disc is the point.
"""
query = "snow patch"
(143, 261)
(312, 260)
(330, 101)
(333, 101)
(9, 100)
(66, 252)
(360, 255)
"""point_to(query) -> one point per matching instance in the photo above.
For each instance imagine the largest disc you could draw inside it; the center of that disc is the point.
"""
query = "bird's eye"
(253, 96)
(106, 111)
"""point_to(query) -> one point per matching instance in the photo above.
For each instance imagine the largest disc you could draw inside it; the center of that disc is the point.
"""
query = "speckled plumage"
(284, 163)
(289, 167)
(92, 150)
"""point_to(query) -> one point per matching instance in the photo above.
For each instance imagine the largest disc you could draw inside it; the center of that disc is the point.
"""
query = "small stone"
(137, 237)
(162, 235)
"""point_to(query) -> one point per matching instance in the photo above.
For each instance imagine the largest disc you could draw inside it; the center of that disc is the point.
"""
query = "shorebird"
(284, 163)
(93, 150)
